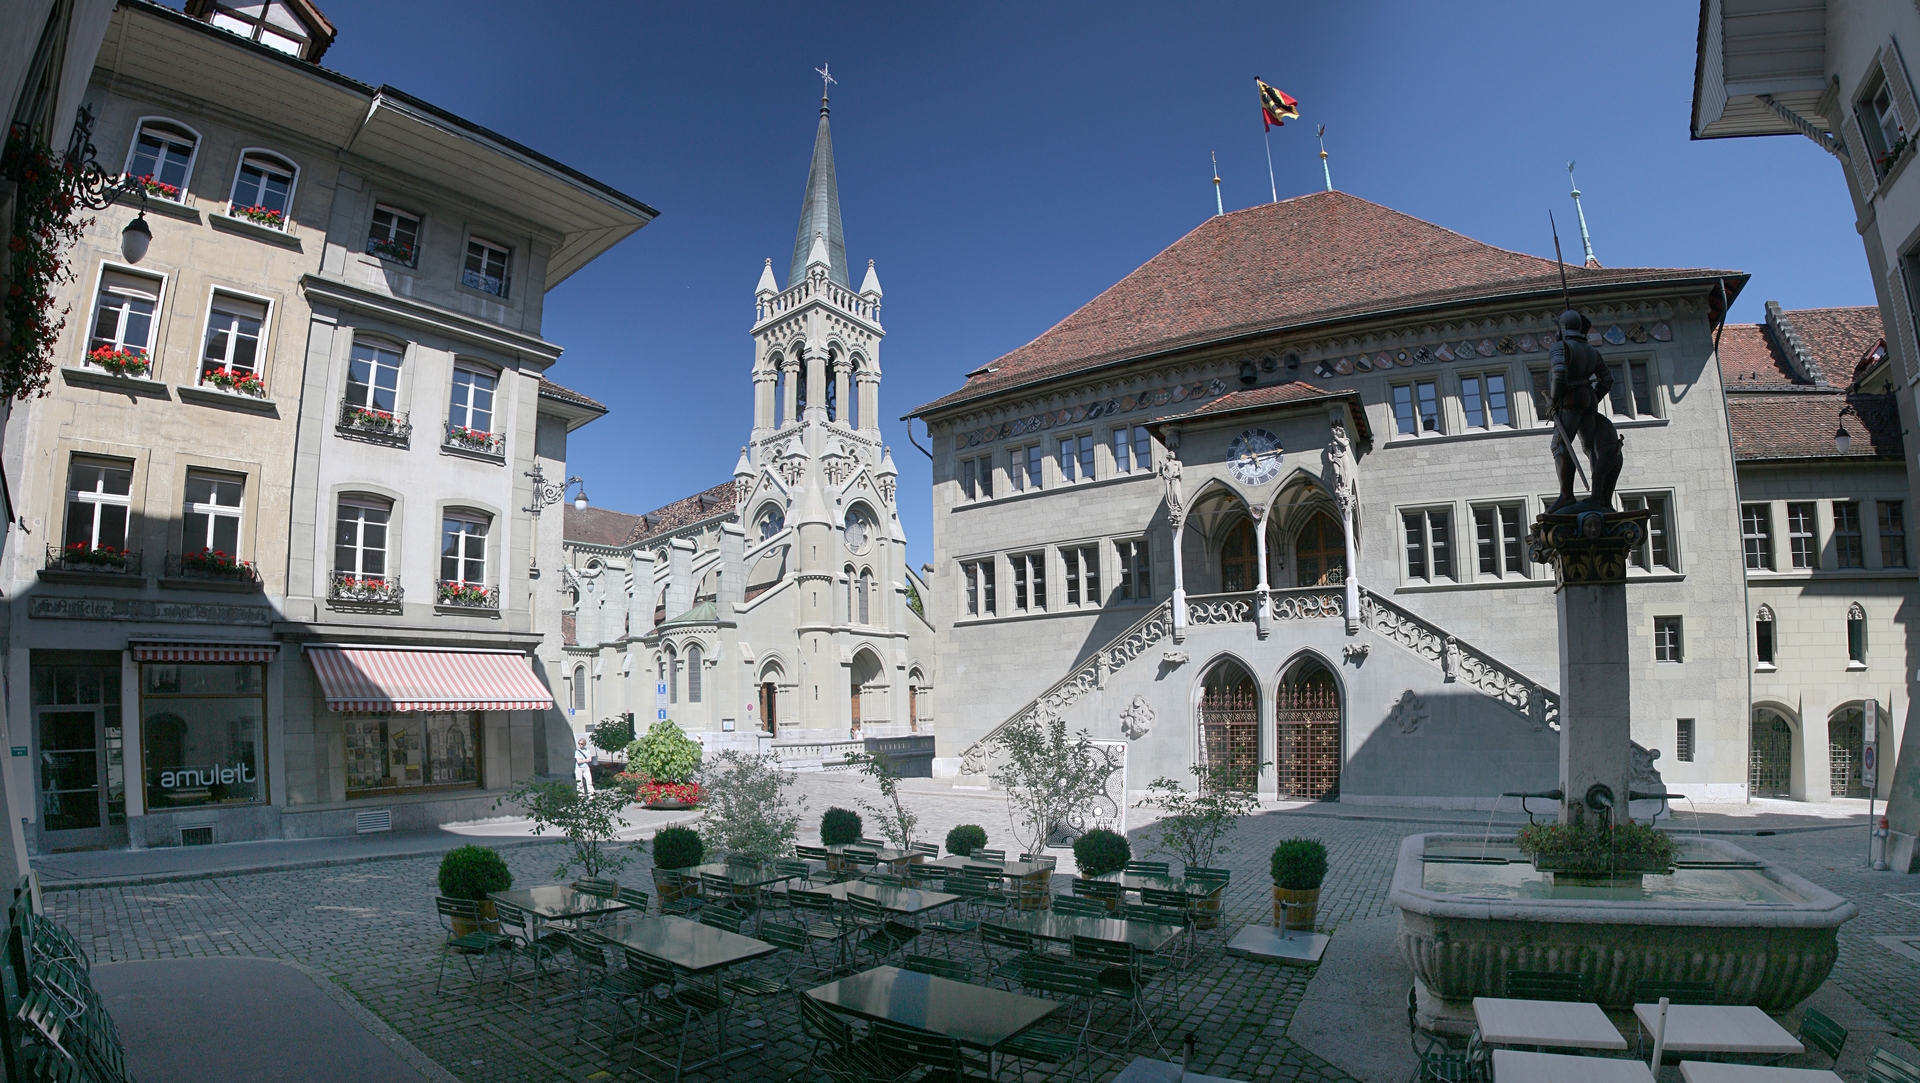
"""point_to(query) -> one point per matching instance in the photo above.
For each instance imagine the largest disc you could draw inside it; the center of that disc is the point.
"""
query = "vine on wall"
(44, 227)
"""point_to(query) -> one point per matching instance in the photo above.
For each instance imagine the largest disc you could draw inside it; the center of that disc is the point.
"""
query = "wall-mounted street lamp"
(1842, 439)
(97, 190)
(547, 493)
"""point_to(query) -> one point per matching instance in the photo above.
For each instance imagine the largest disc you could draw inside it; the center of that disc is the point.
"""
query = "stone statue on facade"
(1581, 381)
(1339, 456)
(1176, 498)
(1136, 720)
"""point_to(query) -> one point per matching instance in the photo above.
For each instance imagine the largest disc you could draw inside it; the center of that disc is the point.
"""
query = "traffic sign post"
(1870, 765)
(660, 701)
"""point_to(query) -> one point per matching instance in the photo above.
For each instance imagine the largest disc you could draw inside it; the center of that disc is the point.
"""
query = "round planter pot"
(669, 804)
(1302, 907)
(490, 920)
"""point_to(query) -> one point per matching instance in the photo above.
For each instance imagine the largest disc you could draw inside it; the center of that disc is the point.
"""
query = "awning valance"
(203, 652)
(374, 679)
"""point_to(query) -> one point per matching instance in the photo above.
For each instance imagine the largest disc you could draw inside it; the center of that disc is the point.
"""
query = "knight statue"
(1582, 381)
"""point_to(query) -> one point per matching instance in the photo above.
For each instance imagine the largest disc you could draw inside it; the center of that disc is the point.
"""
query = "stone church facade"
(776, 610)
(1260, 506)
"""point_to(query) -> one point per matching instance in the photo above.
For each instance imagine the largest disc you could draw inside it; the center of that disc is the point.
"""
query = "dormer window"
(394, 236)
(486, 268)
(293, 27)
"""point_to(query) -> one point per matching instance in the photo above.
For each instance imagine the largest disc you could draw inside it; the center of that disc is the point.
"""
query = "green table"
(1147, 936)
(896, 900)
(1134, 881)
(557, 902)
(977, 1016)
(695, 950)
(745, 875)
(1013, 870)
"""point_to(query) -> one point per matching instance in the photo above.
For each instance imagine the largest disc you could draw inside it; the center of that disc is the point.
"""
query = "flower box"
(120, 362)
(158, 189)
(396, 251)
(265, 216)
(476, 440)
(238, 381)
(369, 590)
(83, 557)
(213, 564)
(469, 595)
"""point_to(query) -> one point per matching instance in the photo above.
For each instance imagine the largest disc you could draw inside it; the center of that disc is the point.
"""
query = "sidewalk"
(107, 868)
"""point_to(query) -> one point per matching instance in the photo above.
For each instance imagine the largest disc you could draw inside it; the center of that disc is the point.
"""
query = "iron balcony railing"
(468, 595)
(356, 588)
(480, 443)
(385, 426)
(494, 284)
(100, 559)
(210, 564)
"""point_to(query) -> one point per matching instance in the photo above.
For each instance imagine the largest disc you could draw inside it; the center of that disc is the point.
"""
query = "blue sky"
(1004, 163)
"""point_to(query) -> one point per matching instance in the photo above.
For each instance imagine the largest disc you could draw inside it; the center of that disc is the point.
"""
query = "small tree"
(896, 823)
(748, 809)
(1049, 777)
(612, 734)
(664, 754)
(591, 823)
(1193, 824)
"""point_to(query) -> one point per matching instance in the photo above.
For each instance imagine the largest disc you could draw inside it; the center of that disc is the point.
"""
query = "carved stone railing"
(808, 753)
(1307, 603)
(1461, 661)
(1221, 608)
(1083, 678)
(824, 288)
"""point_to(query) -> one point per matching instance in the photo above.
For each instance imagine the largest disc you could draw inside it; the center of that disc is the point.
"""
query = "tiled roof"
(1837, 337)
(598, 526)
(1801, 425)
(551, 390)
(1293, 392)
(1750, 358)
(1301, 261)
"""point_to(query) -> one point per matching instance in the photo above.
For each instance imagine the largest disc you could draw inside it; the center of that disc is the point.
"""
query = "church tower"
(815, 475)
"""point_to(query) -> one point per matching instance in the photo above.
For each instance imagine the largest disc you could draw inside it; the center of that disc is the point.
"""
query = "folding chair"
(478, 944)
(1108, 892)
(676, 1009)
(1438, 1062)
(1676, 992)
(606, 985)
(836, 1051)
(1823, 1034)
(635, 899)
(945, 1058)
(996, 856)
(1173, 907)
(1081, 906)
(1019, 942)
(825, 923)
(1147, 868)
(939, 968)
(976, 893)
(1121, 980)
(525, 938)
(687, 890)
(605, 889)
(724, 918)
(1884, 1067)
(1061, 981)
(789, 939)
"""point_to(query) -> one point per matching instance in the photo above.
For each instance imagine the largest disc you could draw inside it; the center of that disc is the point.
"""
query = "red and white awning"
(374, 679)
(203, 652)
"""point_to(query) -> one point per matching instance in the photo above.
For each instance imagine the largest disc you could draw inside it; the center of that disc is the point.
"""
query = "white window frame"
(1135, 562)
(1880, 524)
(1501, 540)
(1623, 385)
(453, 387)
(1641, 560)
(419, 232)
(97, 497)
(1080, 571)
(281, 163)
(1412, 388)
(979, 597)
(363, 504)
(1677, 650)
(193, 156)
(1428, 560)
(1763, 552)
(506, 266)
(206, 329)
(466, 517)
(257, 29)
(1029, 581)
(579, 687)
(375, 364)
(1487, 424)
(1812, 534)
(214, 512)
(1130, 438)
(1083, 458)
(100, 291)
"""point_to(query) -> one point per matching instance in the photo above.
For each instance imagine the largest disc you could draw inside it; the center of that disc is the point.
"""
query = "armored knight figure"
(1581, 382)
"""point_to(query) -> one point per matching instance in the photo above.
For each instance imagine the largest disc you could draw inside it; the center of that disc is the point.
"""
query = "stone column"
(843, 404)
(1261, 513)
(789, 390)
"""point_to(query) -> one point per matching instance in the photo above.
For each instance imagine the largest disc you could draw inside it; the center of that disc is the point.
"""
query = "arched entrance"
(1846, 740)
(1307, 732)
(1770, 763)
(866, 671)
(1320, 552)
(1230, 728)
(1239, 559)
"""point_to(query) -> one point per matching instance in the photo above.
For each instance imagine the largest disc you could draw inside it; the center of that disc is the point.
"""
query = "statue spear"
(1566, 298)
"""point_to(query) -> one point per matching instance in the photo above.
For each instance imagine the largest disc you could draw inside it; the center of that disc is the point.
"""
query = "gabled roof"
(551, 390)
(1298, 263)
(600, 526)
(1836, 342)
(1801, 425)
(1291, 393)
(1751, 359)
(1838, 338)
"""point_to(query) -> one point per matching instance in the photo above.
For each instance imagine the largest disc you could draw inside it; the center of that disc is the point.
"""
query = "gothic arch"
(1773, 730)
(1846, 738)
(1309, 747)
(866, 677)
(1226, 702)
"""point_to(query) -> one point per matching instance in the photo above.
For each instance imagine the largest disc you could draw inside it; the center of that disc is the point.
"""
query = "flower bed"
(239, 381)
(266, 216)
(650, 793)
(119, 362)
(158, 189)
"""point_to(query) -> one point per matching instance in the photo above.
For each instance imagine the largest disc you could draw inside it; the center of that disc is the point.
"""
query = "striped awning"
(374, 679)
(170, 651)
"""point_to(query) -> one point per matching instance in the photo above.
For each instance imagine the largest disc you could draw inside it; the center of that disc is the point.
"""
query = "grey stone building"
(775, 611)
(285, 528)
(1261, 505)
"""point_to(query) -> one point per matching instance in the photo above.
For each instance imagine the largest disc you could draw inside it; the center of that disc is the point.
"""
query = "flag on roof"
(1276, 106)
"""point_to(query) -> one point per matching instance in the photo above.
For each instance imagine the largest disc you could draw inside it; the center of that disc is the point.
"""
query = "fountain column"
(1589, 552)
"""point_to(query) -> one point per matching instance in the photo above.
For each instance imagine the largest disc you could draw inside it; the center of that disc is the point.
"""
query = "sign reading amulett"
(45, 606)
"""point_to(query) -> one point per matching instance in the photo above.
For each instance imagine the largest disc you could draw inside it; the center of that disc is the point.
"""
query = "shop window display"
(203, 730)
(409, 750)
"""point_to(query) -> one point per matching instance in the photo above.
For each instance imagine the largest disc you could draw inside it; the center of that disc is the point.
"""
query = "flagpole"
(1271, 186)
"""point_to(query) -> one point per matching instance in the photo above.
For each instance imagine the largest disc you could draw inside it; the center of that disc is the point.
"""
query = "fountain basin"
(1472, 908)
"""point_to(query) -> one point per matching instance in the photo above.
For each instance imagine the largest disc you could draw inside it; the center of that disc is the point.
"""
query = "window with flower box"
(122, 338)
(463, 562)
(210, 528)
(99, 503)
(161, 158)
(360, 553)
(263, 189)
(486, 268)
(470, 412)
(394, 236)
(373, 390)
(231, 359)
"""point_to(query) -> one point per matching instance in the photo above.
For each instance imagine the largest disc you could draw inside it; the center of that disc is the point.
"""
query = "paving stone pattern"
(372, 929)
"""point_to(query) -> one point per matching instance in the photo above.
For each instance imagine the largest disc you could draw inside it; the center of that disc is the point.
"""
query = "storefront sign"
(129, 609)
(187, 778)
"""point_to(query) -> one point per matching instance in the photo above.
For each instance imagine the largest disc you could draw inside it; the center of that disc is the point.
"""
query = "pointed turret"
(767, 287)
(817, 255)
(820, 211)
(871, 284)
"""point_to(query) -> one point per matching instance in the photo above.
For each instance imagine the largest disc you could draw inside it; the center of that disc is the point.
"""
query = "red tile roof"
(1801, 425)
(1311, 259)
(551, 390)
(599, 526)
(1750, 358)
(1291, 393)
(1837, 337)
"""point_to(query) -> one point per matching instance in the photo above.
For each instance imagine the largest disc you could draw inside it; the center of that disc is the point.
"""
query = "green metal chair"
(793, 942)
(600, 984)
(605, 889)
(1201, 872)
(1122, 980)
(945, 1058)
(530, 939)
(688, 887)
(822, 917)
(1019, 943)
(1148, 868)
(1109, 893)
(1646, 991)
(1040, 859)
(835, 1050)
(674, 1008)
(884, 879)
(1081, 906)
(1058, 980)
(1823, 1034)
(635, 899)
(1172, 907)
(724, 918)
(1546, 985)
(975, 893)
(996, 856)
(950, 969)
(927, 849)
(1438, 1062)
(1884, 1067)
(478, 944)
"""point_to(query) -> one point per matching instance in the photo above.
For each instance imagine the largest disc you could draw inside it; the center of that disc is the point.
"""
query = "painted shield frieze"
(1637, 333)
(1162, 397)
(1217, 387)
(1615, 336)
(1362, 364)
(1180, 393)
(1113, 406)
(1128, 403)
(1529, 344)
(1079, 413)
(1464, 350)
(1322, 371)
(1094, 410)
(1507, 345)
(1382, 361)
(1661, 332)
(1443, 352)
(1423, 356)
(1485, 348)
(1343, 367)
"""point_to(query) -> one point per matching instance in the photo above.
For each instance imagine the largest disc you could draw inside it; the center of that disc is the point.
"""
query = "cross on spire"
(826, 79)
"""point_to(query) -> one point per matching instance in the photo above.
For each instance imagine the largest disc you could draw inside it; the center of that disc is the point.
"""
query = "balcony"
(91, 564)
(352, 590)
(468, 597)
(379, 426)
(209, 569)
(489, 445)
(485, 283)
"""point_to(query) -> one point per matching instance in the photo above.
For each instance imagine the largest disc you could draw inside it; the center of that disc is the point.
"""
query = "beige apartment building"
(284, 492)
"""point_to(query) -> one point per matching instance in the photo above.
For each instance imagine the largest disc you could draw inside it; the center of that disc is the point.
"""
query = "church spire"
(820, 209)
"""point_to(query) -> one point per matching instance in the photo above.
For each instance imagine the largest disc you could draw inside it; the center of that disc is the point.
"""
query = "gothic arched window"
(579, 688)
(1763, 636)
(866, 593)
(852, 601)
(672, 664)
(693, 673)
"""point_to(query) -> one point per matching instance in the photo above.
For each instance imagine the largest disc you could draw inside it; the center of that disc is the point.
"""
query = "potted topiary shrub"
(675, 848)
(965, 839)
(474, 872)
(1099, 852)
(662, 762)
(1298, 867)
(839, 827)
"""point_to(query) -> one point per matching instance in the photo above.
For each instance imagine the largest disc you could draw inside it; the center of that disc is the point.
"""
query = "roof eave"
(1201, 417)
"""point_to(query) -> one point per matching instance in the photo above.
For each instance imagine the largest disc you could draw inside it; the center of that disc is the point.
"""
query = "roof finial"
(1218, 208)
(1585, 240)
(1322, 134)
(826, 79)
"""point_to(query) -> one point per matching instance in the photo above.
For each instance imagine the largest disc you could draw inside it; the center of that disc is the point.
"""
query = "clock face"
(1254, 457)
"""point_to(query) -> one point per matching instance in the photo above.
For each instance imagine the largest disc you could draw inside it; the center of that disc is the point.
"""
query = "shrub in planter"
(664, 754)
(1100, 851)
(1577, 848)
(471, 872)
(677, 848)
(1299, 865)
(965, 839)
(839, 826)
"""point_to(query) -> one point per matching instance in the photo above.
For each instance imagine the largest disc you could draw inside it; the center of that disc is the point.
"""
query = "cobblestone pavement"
(372, 929)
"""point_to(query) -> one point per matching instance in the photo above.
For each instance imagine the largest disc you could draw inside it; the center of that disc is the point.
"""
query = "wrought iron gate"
(1770, 773)
(1846, 733)
(1230, 738)
(1307, 740)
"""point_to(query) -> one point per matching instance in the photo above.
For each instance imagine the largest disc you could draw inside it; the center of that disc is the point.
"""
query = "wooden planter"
(490, 920)
(1302, 907)
(670, 886)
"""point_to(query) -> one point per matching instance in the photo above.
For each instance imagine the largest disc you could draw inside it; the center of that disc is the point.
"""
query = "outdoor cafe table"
(1209, 891)
(557, 902)
(1697, 1071)
(695, 950)
(1147, 936)
(1513, 1066)
(1545, 1024)
(1035, 875)
(894, 900)
(742, 875)
(979, 1017)
(1718, 1028)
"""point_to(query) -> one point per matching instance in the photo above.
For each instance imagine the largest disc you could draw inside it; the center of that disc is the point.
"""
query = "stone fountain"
(1473, 907)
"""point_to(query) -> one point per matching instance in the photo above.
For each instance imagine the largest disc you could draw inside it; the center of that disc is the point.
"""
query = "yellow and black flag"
(1276, 106)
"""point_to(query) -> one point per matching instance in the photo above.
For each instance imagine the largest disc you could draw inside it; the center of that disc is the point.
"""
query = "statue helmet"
(1574, 323)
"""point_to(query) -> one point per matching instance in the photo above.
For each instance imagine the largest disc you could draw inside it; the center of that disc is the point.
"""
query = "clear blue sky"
(1003, 163)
